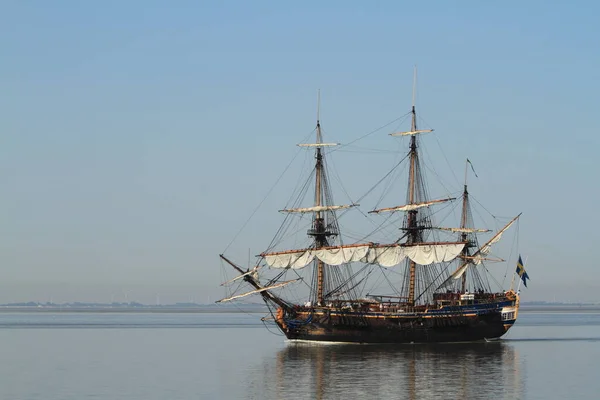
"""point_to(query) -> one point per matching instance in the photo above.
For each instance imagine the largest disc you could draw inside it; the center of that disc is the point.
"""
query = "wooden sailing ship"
(443, 294)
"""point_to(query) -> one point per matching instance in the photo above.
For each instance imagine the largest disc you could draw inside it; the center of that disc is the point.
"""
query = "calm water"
(51, 356)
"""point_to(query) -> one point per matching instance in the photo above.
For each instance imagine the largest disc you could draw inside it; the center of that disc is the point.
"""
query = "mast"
(463, 225)
(318, 230)
(413, 232)
(417, 221)
(323, 230)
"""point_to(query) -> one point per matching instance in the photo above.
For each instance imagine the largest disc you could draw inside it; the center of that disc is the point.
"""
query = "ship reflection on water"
(467, 371)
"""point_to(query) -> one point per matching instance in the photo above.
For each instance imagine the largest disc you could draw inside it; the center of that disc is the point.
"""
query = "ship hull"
(332, 326)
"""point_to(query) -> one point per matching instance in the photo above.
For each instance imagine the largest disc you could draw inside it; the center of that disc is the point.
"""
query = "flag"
(521, 271)
(471, 164)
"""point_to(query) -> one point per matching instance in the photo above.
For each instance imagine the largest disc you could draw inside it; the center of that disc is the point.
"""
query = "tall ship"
(405, 279)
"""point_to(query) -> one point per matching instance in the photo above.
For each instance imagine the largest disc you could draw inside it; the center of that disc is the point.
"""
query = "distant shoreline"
(199, 308)
(134, 310)
(242, 308)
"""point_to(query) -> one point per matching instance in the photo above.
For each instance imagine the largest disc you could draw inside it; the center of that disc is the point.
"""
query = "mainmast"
(319, 226)
(416, 221)
(413, 232)
(318, 230)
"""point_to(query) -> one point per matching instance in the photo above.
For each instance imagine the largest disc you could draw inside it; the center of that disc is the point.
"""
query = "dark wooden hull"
(377, 328)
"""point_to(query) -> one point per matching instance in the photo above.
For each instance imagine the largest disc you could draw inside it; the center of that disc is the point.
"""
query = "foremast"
(323, 230)
(324, 223)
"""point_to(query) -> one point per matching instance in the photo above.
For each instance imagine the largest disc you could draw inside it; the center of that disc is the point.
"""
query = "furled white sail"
(318, 144)
(386, 256)
(341, 255)
(257, 291)
(389, 256)
(253, 272)
(478, 259)
(464, 230)
(410, 207)
(434, 253)
(331, 256)
(410, 133)
(295, 260)
(317, 208)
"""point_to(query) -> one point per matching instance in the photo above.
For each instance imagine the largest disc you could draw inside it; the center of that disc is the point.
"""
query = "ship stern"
(510, 313)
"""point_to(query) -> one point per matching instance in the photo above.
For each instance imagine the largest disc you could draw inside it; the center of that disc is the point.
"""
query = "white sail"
(411, 133)
(478, 256)
(434, 253)
(341, 255)
(318, 144)
(256, 291)
(486, 248)
(386, 256)
(331, 256)
(455, 275)
(410, 207)
(464, 230)
(294, 260)
(317, 208)
(478, 259)
(253, 271)
(389, 256)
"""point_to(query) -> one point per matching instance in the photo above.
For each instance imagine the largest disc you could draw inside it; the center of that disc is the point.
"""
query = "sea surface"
(169, 356)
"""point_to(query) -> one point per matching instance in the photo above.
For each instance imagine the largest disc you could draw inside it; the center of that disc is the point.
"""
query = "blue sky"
(137, 137)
